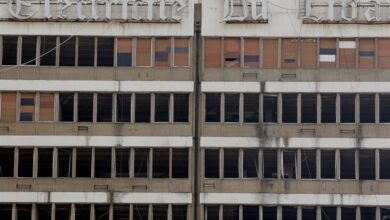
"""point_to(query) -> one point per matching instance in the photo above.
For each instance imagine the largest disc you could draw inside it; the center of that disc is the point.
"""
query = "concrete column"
(73, 212)
(92, 211)
(338, 215)
(357, 108)
(38, 51)
(377, 164)
(111, 213)
(222, 119)
(221, 212)
(169, 214)
(358, 214)
(16, 161)
(241, 163)
(261, 120)
(132, 108)
(36, 106)
(260, 164)
(153, 107)
(150, 163)
(131, 163)
(299, 108)
(299, 213)
(56, 107)
(280, 106)
(34, 212)
(171, 107)
(240, 213)
(377, 108)
(279, 164)
(318, 212)
(95, 51)
(58, 50)
(114, 107)
(378, 214)
(299, 163)
(131, 212)
(75, 107)
(279, 52)
(357, 174)
(221, 163)
(19, 51)
(53, 212)
(338, 116)
(35, 162)
(55, 162)
(170, 162)
(260, 212)
(113, 163)
(337, 53)
(115, 52)
(319, 106)
(241, 108)
(93, 163)
(338, 166)
(94, 111)
(77, 52)
(150, 214)
(74, 161)
(318, 165)
(14, 212)
(279, 213)
(18, 106)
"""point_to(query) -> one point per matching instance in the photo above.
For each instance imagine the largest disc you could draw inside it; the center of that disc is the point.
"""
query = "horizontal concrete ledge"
(249, 87)
(295, 199)
(96, 86)
(95, 197)
(96, 141)
(295, 142)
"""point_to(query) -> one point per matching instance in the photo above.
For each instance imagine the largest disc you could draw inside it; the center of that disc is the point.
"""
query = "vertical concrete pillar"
(55, 162)
(111, 212)
(260, 164)
(318, 163)
(92, 212)
(240, 213)
(279, 213)
(241, 163)
(241, 108)
(261, 213)
(221, 212)
(36, 106)
(319, 108)
(16, 161)
(318, 212)
(38, 51)
(338, 214)
(338, 116)
(132, 107)
(34, 212)
(357, 108)
(378, 213)
(18, 106)
(338, 166)
(74, 162)
(131, 211)
(377, 108)
(357, 159)
(131, 163)
(75, 107)
(299, 108)
(113, 162)
(73, 212)
(95, 51)
(58, 50)
(14, 212)
(19, 51)
(358, 213)
(171, 107)
(169, 214)
(279, 164)
(299, 164)
(77, 51)
(152, 107)
(35, 162)
(93, 162)
(114, 107)
(221, 163)
(280, 106)
(299, 213)
(377, 164)
(150, 214)
(53, 211)
(56, 106)
(261, 119)
(94, 104)
(170, 162)
(116, 52)
(222, 119)
(150, 164)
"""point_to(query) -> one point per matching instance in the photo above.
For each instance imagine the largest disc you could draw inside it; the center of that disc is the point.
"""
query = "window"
(230, 163)
(232, 107)
(29, 50)
(10, 44)
(347, 108)
(289, 111)
(6, 211)
(231, 212)
(366, 53)
(85, 107)
(179, 163)
(82, 212)
(251, 162)
(328, 108)
(140, 212)
(308, 53)
(105, 51)
(144, 49)
(270, 56)
(160, 163)
(45, 162)
(309, 213)
(86, 51)
(182, 51)
(66, 106)
(347, 164)
(83, 162)
(213, 110)
(179, 212)
(104, 108)
(46, 107)
(141, 160)
(289, 213)
(270, 164)
(102, 212)
(289, 164)
(181, 108)
(384, 108)
(7, 162)
(347, 53)
(328, 164)
(27, 107)
(251, 108)
(212, 54)
(65, 158)
(162, 107)
(329, 213)
(309, 108)
(251, 53)
(25, 167)
(48, 51)
(122, 162)
(160, 212)
(44, 211)
(367, 213)
(211, 212)
(63, 212)
(250, 212)
(367, 164)
(142, 108)
(367, 108)
(270, 213)
(123, 108)
(8, 106)
(384, 166)
(348, 213)
(67, 51)
(270, 108)
(211, 166)
(308, 164)
(162, 53)
(124, 52)
(121, 212)
(328, 53)
(384, 53)
(289, 53)
(232, 52)
(23, 212)
(102, 162)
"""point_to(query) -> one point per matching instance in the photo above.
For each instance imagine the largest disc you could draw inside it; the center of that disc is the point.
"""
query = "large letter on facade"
(229, 10)
(177, 6)
(373, 13)
(264, 14)
(349, 3)
(308, 14)
(17, 12)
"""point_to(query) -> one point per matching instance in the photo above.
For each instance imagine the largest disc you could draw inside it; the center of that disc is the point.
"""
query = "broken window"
(63, 212)
(289, 213)
(328, 108)
(142, 108)
(27, 107)
(251, 53)
(46, 107)
(367, 164)
(86, 51)
(102, 162)
(83, 162)
(125, 52)
(270, 165)
(44, 211)
(309, 108)
(67, 51)
(271, 53)
(25, 167)
(348, 213)
(144, 50)
(308, 164)
(213, 108)
(367, 108)
(182, 51)
(211, 212)
(251, 161)
(231, 212)
(123, 108)
(212, 52)
(328, 53)
(10, 44)
(179, 163)
(347, 53)
(105, 51)
(85, 107)
(232, 107)
(121, 212)
(289, 53)
(161, 113)
(289, 108)
(66, 106)
(328, 164)
(251, 108)
(384, 108)
(23, 212)
(160, 163)
(230, 169)
(162, 53)
(179, 212)
(385, 213)
(329, 213)
(347, 108)
(8, 106)
(250, 212)
(289, 164)
(102, 212)
(104, 108)
(270, 213)
(160, 212)
(7, 162)
(64, 168)
(368, 213)
(48, 51)
(82, 212)
(232, 52)
(45, 162)
(122, 162)
(29, 50)
(141, 161)
(140, 212)
(308, 53)
(181, 108)
(309, 213)
(211, 166)
(366, 53)
(347, 164)
(384, 157)
(6, 211)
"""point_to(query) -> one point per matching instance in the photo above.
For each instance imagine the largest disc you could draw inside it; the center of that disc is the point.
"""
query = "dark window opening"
(67, 51)
(48, 51)
(230, 163)
(213, 108)
(160, 212)
(289, 165)
(105, 51)
(270, 213)
(384, 167)
(25, 168)
(367, 108)
(10, 44)
(179, 163)
(160, 163)
(102, 212)
(348, 213)
(29, 50)
(347, 108)
(180, 112)
(64, 162)
(251, 108)
(83, 162)
(347, 164)
(142, 108)
(309, 213)
(211, 212)
(270, 164)
(328, 108)
(309, 108)
(104, 108)
(66, 106)
(141, 160)
(368, 213)
(23, 212)
(179, 212)
(44, 212)
(329, 213)
(211, 166)
(385, 213)
(122, 162)
(367, 164)
(250, 212)
(6, 212)
(308, 164)
(270, 108)
(289, 108)
(232, 107)
(85, 107)
(384, 108)
(103, 162)
(63, 212)
(162, 107)
(289, 213)
(45, 162)
(251, 161)
(82, 212)
(123, 108)
(328, 164)
(86, 51)
(121, 212)
(231, 212)
(140, 212)
(7, 162)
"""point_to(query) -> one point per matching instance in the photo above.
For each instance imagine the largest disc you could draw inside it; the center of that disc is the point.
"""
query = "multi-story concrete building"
(181, 109)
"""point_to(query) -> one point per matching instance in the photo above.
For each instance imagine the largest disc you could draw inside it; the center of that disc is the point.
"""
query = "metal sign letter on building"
(237, 11)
